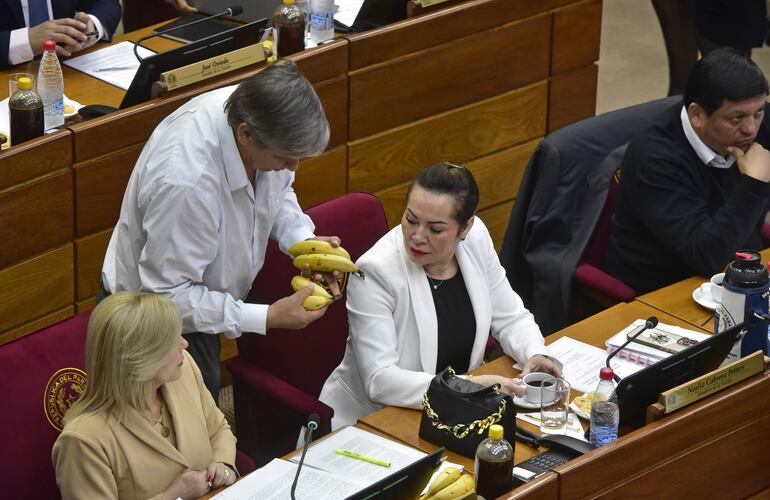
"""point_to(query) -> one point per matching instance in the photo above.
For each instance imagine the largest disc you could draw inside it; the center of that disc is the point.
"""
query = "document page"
(324, 456)
(274, 480)
(582, 362)
(347, 11)
(115, 64)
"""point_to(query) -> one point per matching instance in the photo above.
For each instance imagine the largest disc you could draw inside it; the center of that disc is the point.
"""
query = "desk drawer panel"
(322, 178)
(36, 217)
(35, 158)
(89, 256)
(384, 160)
(100, 186)
(36, 287)
(448, 76)
(498, 176)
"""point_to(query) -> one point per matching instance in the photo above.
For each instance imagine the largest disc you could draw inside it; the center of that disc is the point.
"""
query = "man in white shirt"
(26, 24)
(212, 184)
(695, 186)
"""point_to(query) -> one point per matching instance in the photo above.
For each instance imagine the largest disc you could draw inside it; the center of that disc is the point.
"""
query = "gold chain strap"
(462, 430)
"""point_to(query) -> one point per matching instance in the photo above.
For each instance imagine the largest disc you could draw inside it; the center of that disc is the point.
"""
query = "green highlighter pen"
(357, 456)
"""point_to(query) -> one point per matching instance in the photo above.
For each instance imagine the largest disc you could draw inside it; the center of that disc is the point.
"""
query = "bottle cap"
(496, 432)
(24, 83)
(606, 373)
(288, 2)
(49, 45)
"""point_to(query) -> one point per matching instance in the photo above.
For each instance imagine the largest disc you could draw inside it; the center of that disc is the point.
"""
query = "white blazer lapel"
(423, 309)
(478, 291)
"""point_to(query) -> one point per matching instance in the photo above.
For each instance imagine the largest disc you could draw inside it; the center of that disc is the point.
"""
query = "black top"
(675, 216)
(456, 323)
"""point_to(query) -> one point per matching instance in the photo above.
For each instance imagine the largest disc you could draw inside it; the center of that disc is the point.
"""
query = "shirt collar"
(705, 153)
(235, 170)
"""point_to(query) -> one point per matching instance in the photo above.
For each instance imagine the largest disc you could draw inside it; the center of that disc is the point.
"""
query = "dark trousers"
(203, 347)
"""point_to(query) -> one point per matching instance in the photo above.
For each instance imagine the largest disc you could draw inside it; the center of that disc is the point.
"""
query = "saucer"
(704, 300)
(522, 402)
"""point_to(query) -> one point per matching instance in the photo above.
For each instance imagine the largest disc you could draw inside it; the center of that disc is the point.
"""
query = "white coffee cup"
(716, 287)
(533, 383)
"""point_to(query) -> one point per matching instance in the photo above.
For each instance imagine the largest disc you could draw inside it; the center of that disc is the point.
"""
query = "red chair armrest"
(595, 279)
(266, 386)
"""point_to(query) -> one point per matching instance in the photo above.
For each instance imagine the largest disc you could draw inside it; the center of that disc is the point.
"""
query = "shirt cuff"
(98, 25)
(254, 318)
(19, 49)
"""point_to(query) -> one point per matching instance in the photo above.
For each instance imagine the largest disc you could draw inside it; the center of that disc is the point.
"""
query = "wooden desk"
(676, 299)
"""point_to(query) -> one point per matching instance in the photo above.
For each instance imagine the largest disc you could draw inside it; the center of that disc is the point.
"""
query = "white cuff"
(19, 49)
(253, 318)
(98, 25)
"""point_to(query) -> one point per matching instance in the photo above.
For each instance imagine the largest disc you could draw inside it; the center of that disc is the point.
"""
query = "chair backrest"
(41, 374)
(305, 358)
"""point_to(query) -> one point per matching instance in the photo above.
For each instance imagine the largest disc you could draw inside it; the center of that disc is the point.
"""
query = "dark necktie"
(38, 12)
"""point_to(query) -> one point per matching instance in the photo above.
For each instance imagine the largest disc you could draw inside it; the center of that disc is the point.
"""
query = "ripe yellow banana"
(314, 302)
(300, 282)
(325, 263)
(447, 477)
(317, 246)
(456, 489)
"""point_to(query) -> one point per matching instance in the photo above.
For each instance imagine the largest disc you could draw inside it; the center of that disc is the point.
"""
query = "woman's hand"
(507, 385)
(220, 475)
(540, 363)
(189, 484)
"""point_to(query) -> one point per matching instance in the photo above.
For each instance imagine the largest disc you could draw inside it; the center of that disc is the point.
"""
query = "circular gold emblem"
(63, 389)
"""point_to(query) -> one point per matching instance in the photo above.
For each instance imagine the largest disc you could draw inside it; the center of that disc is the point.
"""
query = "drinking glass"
(554, 407)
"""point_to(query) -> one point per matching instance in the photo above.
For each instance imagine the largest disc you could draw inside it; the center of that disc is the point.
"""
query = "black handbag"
(457, 413)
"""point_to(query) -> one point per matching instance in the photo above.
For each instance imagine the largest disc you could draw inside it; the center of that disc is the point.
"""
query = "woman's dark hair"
(452, 180)
(724, 74)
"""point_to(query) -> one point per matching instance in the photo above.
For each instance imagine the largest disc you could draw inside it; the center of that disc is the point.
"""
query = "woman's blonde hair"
(130, 335)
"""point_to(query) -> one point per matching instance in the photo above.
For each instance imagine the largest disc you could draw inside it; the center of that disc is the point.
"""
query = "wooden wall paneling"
(544, 487)
(326, 62)
(89, 256)
(85, 305)
(334, 97)
(498, 176)
(496, 220)
(445, 25)
(448, 76)
(36, 217)
(572, 97)
(718, 434)
(35, 158)
(65, 312)
(99, 188)
(576, 33)
(37, 287)
(322, 178)
(386, 159)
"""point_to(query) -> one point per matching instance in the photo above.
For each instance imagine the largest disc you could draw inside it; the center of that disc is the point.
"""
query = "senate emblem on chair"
(63, 389)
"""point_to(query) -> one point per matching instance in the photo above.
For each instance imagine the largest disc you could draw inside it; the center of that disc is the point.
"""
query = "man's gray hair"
(282, 110)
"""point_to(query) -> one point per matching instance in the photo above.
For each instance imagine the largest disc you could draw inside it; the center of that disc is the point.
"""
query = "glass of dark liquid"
(25, 109)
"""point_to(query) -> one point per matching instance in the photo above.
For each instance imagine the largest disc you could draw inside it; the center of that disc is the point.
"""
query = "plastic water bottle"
(494, 464)
(605, 415)
(321, 20)
(50, 86)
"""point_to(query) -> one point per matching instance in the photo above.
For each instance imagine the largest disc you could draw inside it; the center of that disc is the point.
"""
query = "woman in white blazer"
(433, 291)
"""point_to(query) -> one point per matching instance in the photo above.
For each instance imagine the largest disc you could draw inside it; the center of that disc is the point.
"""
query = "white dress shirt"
(392, 348)
(191, 226)
(705, 153)
(19, 49)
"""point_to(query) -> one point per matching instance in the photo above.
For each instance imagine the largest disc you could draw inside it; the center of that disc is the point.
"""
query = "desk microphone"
(233, 10)
(312, 424)
(651, 322)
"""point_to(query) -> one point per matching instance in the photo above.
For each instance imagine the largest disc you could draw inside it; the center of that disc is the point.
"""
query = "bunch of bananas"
(323, 257)
(450, 484)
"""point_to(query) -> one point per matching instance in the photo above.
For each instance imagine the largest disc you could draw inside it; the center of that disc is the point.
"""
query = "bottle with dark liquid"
(494, 465)
(289, 24)
(26, 113)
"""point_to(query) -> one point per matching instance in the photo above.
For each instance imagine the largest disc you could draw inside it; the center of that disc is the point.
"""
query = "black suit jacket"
(12, 18)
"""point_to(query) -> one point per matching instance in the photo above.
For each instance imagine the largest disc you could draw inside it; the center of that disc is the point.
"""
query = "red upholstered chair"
(277, 377)
(41, 375)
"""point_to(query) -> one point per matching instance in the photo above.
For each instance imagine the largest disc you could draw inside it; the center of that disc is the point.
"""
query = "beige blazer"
(97, 457)
(392, 345)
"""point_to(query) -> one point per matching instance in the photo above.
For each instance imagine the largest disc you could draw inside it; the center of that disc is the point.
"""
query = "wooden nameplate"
(213, 66)
(706, 385)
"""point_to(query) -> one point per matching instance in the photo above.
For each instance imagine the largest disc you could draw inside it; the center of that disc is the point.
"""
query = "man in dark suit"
(26, 24)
